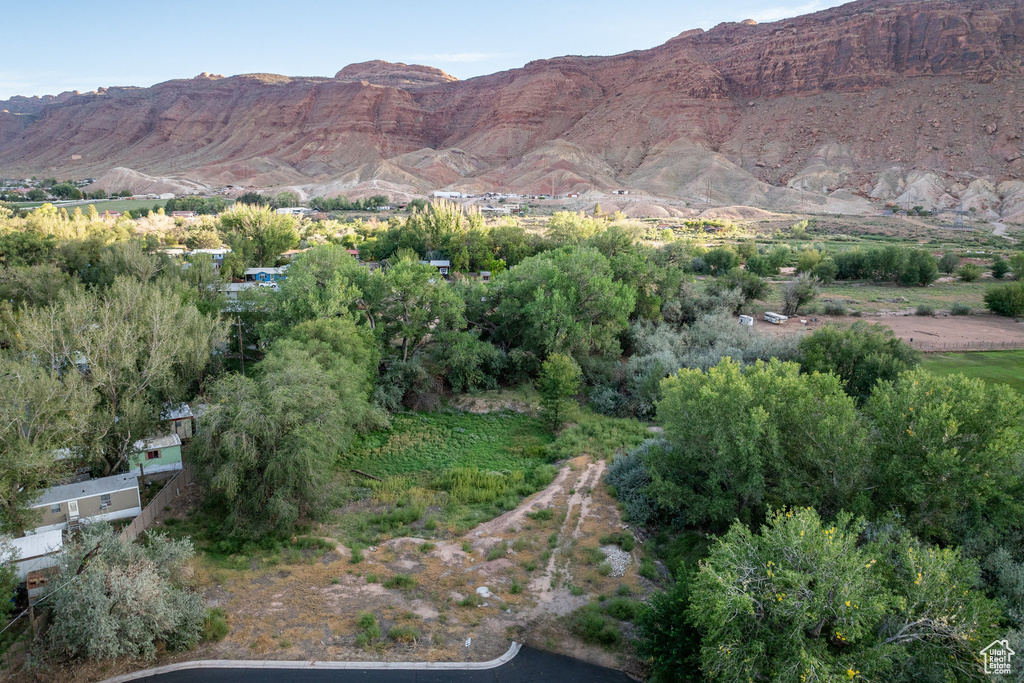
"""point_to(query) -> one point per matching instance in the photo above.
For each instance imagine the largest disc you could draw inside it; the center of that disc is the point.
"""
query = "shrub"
(540, 515)
(427, 547)
(833, 308)
(925, 310)
(404, 634)
(500, 550)
(372, 578)
(623, 591)
(1000, 267)
(629, 475)
(467, 547)
(403, 581)
(593, 627)
(216, 625)
(624, 540)
(593, 555)
(515, 588)
(357, 555)
(604, 569)
(648, 570)
(366, 620)
(623, 609)
(969, 272)
(1007, 299)
(960, 309)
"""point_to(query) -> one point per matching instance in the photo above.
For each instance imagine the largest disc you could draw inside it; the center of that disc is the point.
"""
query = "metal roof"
(87, 489)
(34, 545)
(178, 412)
(157, 442)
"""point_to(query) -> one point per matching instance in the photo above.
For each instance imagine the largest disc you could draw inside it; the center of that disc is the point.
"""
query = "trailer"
(775, 318)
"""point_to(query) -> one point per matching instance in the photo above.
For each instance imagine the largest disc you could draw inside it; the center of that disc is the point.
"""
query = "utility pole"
(241, 349)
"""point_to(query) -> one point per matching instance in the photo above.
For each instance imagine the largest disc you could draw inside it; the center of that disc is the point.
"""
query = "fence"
(939, 347)
(171, 490)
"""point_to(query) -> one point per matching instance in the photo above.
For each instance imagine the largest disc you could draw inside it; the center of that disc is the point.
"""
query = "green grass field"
(997, 367)
(122, 204)
(424, 444)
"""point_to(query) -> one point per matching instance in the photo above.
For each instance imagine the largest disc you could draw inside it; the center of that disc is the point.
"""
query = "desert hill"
(917, 101)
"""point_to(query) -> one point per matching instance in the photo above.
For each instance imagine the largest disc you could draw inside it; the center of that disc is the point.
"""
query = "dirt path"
(1000, 230)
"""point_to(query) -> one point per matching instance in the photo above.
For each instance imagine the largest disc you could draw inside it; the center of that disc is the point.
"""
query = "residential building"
(184, 214)
(180, 420)
(443, 266)
(95, 500)
(265, 274)
(216, 254)
(36, 551)
(293, 210)
(157, 454)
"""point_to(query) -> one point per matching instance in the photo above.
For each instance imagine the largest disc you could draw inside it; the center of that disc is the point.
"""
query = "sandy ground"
(309, 611)
(927, 333)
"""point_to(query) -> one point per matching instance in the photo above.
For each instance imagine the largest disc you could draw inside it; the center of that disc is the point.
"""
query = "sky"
(47, 49)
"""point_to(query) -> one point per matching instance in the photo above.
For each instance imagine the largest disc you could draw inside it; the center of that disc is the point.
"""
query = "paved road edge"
(513, 650)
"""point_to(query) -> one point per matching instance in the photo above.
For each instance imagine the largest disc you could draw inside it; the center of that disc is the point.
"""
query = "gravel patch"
(618, 558)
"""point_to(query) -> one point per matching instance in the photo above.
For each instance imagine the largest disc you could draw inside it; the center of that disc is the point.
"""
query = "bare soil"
(928, 333)
(309, 611)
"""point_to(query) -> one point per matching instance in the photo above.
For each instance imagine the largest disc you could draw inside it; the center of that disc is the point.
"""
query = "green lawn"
(998, 367)
(121, 204)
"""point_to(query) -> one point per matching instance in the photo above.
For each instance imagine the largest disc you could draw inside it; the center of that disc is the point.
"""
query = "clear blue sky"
(62, 45)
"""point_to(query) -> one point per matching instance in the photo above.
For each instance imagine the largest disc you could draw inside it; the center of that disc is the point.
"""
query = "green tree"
(8, 578)
(947, 456)
(746, 439)
(135, 346)
(1000, 267)
(801, 290)
(321, 283)
(1017, 265)
(39, 414)
(203, 239)
(35, 195)
(969, 272)
(801, 600)
(562, 301)
(1006, 299)
(949, 262)
(271, 233)
(266, 447)
(569, 227)
(807, 259)
(115, 598)
(860, 355)
(721, 260)
(558, 384)
(410, 302)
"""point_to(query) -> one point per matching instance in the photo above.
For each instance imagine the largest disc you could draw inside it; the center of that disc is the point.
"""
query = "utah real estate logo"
(997, 657)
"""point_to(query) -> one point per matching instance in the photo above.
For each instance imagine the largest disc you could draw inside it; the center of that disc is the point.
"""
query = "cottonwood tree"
(804, 600)
(39, 414)
(563, 301)
(948, 456)
(745, 439)
(135, 347)
(270, 233)
(116, 598)
(860, 355)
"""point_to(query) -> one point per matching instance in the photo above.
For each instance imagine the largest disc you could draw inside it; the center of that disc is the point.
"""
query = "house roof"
(178, 412)
(35, 545)
(441, 264)
(157, 442)
(253, 271)
(87, 489)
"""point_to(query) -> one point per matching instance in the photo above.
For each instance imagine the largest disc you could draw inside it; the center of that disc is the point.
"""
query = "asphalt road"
(529, 666)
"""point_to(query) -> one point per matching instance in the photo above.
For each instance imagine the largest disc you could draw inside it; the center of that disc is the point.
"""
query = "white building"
(293, 210)
(447, 195)
(36, 551)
